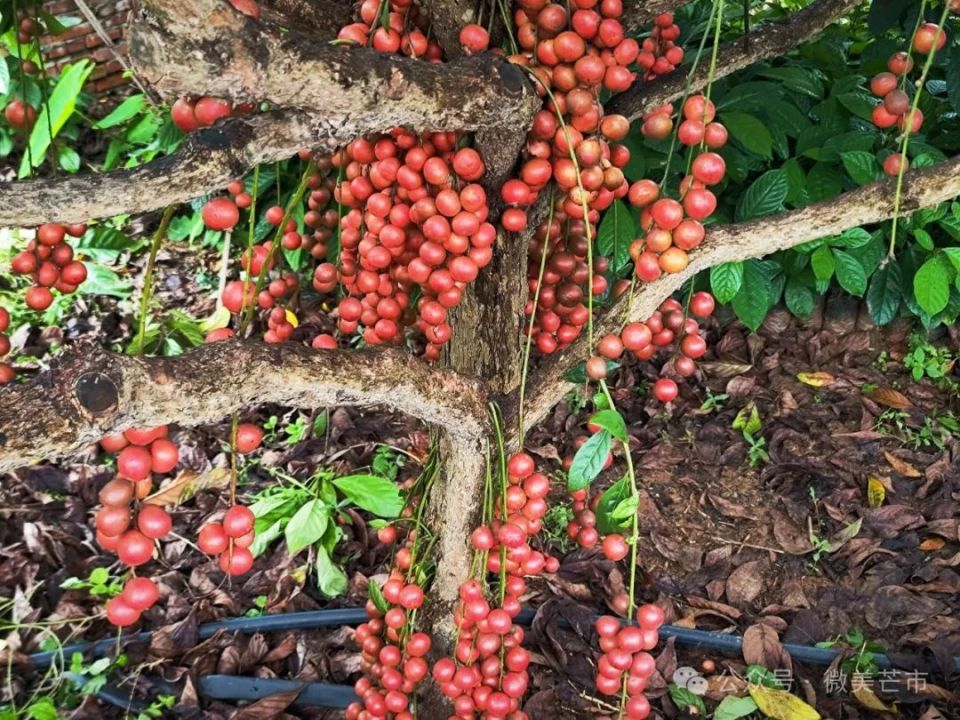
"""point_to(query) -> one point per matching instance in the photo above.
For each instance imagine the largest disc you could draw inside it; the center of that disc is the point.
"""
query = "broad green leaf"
(42, 709)
(373, 493)
(608, 519)
(799, 298)
(952, 74)
(101, 280)
(884, 294)
(852, 238)
(823, 182)
(850, 273)
(862, 166)
(331, 580)
(54, 114)
(726, 280)
(823, 263)
(753, 300)
(924, 239)
(750, 95)
(858, 103)
(764, 197)
(589, 460)
(796, 183)
(687, 701)
(263, 538)
(68, 158)
(953, 255)
(133, 105)
(612, 422)
(306, 526)
(931, 286)
(797, 79)
(732, 708)
(787, 116)
(750, 133)
(617, 230)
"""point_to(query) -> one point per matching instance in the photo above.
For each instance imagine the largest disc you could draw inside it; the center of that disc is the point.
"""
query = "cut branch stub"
(90, 392)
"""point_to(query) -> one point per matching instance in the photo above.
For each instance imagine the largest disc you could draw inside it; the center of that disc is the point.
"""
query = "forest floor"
(837, 521)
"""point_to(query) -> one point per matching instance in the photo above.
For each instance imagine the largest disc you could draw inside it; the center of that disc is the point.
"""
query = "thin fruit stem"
(147, 293)
(536, 299)
(908, 131)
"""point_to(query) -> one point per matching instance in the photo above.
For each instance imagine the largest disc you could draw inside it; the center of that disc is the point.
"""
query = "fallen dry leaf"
(781, 705)
(745, 583)
(762, 646)
(187, 484)
(932, 544)
(876, 492)
(901, 466)
(890, 398)
(866, 697)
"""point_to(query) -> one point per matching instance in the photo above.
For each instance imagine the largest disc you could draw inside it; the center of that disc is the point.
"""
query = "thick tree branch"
(207, 161)
(869, 204)
(638, 14)
(90, 392)
(321, 18)
(765, 41)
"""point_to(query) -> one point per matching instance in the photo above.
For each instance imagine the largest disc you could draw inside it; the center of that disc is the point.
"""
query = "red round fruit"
(144, 436)
(134, 463)
(220, 213)
(665, 390)
(238, 521)
(154, 522)
(709, 168)
(702, 304)
(249, 437)
(667, 213)
(134, 548)
(212, 539)
(38, 298)
(164, 455)
(650, 616)
(236, 561)
(112, 521)
(120, 613)
(140, 593)
(116, 493)
(614, 547)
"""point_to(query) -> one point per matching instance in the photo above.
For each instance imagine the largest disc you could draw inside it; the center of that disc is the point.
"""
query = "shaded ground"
(727, 546)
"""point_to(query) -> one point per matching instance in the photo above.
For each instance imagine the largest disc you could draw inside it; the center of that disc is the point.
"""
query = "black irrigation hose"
(233, 687)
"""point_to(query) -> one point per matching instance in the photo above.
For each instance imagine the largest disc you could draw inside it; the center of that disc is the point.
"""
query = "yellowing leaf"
(816, 379)
(781, 705)
(932, 544)
(187, 484)
(876, 492)
(866, 697)
(219, 319)
(291, 318)
(901, 466)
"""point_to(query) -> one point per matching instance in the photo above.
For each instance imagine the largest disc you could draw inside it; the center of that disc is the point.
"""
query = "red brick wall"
(82, 41)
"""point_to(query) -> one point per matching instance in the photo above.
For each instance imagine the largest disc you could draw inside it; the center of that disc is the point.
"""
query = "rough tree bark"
(321, 18)
(765, 41)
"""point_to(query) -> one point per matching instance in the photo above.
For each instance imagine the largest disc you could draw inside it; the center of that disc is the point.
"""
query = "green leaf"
(750, 133)
(754, 299)
(133, 105)
(884, 14)
(68, 158)
(931, 286)
(98, 576)
(589, 460)
(924, 239)
(858, 103)
(952, 74)
(799, 80)
(885, 294)
(42, 709)
(307, 526)
(263, 538)
(764, 197)
(799, 297)
(609, 501)
(685, 699)
(101, 280)
(850, 273)
(55, 113)
(732, 708)
(852, 238)
(750, 95)
(862, 166)
(612, 422)
(617, 230)
(376, 595)
(373, 493)
(953, 255)
(331, 580)
(4, 76)
(823, 182)
(726, 280)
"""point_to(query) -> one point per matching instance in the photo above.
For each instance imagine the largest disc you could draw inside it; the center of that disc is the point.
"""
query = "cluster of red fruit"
(141, 451)
(488, 674)
(625, 663)
(49, 260)
(895, 105)
(405, 31)
(660, 330)
(573, 57)
(190, 115)
(670, 227)
(393, 659)
(21, 115)
(417, 219)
